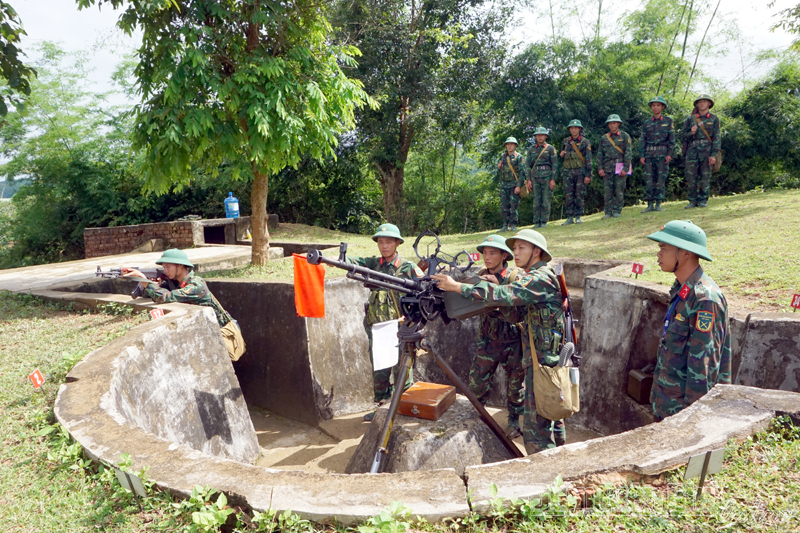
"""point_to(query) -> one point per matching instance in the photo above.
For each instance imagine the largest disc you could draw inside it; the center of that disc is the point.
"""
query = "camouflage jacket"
(539, 292)
(711, 124)
(608, 156)
(571, 158)
(695, 349)
(193, 290)
(494, 325)
(542, 167)
(505, 175)
(658, 137)
(384, 304)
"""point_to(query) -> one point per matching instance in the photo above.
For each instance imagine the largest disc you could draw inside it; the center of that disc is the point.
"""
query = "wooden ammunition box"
(639, 385)
(427, 400)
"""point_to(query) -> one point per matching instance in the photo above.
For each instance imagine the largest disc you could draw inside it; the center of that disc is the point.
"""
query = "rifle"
(152, 274)
(422, 301)
(569, 352)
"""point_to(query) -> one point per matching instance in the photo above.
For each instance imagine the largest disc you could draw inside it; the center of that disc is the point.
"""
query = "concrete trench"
(167, 394)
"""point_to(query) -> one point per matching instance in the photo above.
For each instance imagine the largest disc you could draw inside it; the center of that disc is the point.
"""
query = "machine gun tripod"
(422, 301)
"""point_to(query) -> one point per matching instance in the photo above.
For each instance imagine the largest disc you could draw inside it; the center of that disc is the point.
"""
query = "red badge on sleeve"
(684, 292)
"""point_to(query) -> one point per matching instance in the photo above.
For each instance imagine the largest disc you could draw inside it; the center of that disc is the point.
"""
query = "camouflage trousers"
(574, 190)
(698, 173)
(539, 433)
(492, 353)
(382, 379)
(509, 203)
(542, 197)
(614, 189)
(655, 173)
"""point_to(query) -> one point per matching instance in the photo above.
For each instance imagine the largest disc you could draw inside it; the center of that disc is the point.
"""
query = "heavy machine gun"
(421, 301)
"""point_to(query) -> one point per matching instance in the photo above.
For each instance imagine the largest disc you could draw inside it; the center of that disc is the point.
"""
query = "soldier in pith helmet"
(542, 166)
(576, 171)
(701, 138)
(510, 173)
(656, 149)
(613, 162)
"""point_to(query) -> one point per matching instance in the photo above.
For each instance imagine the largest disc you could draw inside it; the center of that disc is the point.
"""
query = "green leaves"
(13, 70)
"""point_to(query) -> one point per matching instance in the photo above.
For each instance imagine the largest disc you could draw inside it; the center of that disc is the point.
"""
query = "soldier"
(539, 292)
(695, 349)
(655, 149)
(576, 171)
(614, 161)
(701, 138)
(510, 172)
(498, 340)
(184, 286)
(384, 304)
(541, 167)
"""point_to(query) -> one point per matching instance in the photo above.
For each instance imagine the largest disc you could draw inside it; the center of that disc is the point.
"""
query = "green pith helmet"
(495, 241)
(533, 237)
(704, 97)
(541, 130)
(511, 140)
(684, 235)
(176, 257)
(658, 100)
(613, 118)
(575, 122)
(388, 230)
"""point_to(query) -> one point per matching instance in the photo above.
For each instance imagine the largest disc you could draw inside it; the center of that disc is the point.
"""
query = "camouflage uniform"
(695, 349)
(541, 169)
(573, 172)
(499, 344)
(657, 142)
(509, 202)
(384, 305)
(539, 292)
(607, 159)
(699, 149)
(192, 290)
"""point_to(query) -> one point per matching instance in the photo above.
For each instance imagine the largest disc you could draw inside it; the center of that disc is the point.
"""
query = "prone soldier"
(701, 138)
(613, 153)
(576, 171)
(656, 147)
(695, 349)
(510, 171)
(541, 166)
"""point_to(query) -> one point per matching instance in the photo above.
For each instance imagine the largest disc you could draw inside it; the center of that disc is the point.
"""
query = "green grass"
(753, 239)
(46, 485)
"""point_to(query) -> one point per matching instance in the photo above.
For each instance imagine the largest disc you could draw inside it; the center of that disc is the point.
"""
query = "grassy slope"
(752, 238)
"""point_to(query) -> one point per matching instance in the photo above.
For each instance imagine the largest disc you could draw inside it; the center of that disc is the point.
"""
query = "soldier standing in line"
(613, 161)
(499, 340)
(510, 170)
(541, 167)
(695, 349)
(540, 294)
(576, 171)
(384, 304)
(656, 147)
(701, 138)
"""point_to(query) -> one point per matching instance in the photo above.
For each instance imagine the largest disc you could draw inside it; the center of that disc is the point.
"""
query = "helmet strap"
(676, 261)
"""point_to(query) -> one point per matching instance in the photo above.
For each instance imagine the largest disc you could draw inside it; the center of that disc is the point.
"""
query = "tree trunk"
(258, 218)
(392, 178)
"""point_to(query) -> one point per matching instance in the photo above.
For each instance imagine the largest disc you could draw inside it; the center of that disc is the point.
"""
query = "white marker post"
(703, 465)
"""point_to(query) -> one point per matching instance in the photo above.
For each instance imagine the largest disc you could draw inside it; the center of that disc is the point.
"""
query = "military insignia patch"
(524, 280)
(684, 292)
(680, 318)
(705, 321)
(490, 239)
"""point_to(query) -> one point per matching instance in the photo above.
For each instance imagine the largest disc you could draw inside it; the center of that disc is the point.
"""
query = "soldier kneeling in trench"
(184, 286)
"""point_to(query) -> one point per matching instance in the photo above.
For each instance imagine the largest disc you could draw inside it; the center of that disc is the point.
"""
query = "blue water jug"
(231, 206)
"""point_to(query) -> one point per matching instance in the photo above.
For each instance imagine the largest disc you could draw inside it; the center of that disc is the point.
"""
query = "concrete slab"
(770, 356)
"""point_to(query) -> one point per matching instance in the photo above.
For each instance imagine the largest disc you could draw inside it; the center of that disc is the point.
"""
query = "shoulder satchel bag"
(620, 150)
(524, 191)
(575, 147)
(718, 161)
(556, 396)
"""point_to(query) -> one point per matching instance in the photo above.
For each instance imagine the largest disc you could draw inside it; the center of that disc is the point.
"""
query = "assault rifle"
(152, 274)
(422, 301)
(570, 348)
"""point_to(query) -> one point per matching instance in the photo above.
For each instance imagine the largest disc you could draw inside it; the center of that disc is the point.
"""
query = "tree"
(17, 74)
(417, 54)
(253, 82)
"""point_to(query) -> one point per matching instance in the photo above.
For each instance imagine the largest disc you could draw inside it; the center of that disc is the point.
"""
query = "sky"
(93, 29)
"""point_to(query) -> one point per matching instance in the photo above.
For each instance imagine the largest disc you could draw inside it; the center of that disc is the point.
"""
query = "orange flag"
(309, 288)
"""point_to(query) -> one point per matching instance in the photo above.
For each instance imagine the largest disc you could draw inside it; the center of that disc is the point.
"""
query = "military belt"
(542, 167)
(657, 148)
(700, 141)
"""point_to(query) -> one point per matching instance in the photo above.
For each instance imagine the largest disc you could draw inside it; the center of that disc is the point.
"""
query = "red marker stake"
(795, 302)
(637, 269)
(37, 379)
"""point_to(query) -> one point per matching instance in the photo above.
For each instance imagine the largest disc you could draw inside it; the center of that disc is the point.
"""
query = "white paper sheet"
(384, 344)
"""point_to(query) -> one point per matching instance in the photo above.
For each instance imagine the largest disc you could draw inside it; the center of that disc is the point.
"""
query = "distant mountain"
(8, 188)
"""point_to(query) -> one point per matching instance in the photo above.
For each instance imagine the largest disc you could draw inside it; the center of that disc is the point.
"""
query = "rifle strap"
(396, 307)
(540, 154)
(575, 148)
(511, 167)
(620, 150)
(702, 127)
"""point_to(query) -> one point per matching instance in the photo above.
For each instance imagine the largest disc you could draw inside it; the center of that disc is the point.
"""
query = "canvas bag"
(556, 396)
(234, 341)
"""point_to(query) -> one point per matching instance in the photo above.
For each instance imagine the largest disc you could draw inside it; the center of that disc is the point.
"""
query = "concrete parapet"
(770, 353)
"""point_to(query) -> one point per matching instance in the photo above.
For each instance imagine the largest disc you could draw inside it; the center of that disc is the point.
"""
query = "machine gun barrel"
(365, 275)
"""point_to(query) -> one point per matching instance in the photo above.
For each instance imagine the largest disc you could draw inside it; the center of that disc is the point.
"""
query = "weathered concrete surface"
(727, 412)
(770, 354)
(459, 438)
(306, 369)
(175, 380)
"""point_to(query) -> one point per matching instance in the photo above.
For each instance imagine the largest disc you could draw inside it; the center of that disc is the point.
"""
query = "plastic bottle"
(231, 206)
